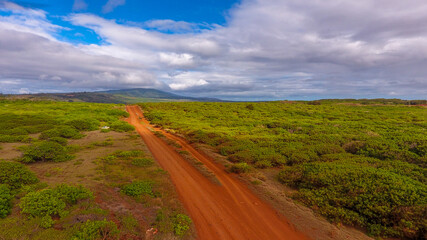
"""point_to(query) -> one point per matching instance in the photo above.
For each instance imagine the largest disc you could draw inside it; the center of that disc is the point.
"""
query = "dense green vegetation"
(48, 203)
(20, 119)
(138, 188)
(92, 230)
(41, 206)
(359, 162)
(56, 123)
(16, 175)
(5, 200)
(45, 134)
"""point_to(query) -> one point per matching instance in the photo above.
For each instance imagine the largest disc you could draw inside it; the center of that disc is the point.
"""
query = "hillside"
(115, 96)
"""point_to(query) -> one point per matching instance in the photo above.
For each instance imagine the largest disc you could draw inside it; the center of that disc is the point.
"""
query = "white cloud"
(112, 4)
(178, 60)
(24, 91)
(186, 80)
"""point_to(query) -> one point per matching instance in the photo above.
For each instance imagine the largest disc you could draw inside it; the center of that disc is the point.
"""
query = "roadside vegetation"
(50, 190)
(358, 162)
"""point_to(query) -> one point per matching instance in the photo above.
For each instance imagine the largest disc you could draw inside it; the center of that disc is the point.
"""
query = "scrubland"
(63, 176)
(361, 163)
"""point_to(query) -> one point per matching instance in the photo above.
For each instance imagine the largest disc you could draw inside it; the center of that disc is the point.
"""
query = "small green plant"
(87, 124)
(60, 140)
(128, 154)
(110, 159)
(46, 222)
(5, 200)
(142, 162)
(121, 126)
(16, 175)
(62, 131)
(138, 188)
(71, 194)
(239, 167)
(263, 164)
(181, 224)
(45, 152)
(93, 230)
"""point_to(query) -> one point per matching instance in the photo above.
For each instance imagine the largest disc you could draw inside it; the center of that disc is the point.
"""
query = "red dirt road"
(219, 212)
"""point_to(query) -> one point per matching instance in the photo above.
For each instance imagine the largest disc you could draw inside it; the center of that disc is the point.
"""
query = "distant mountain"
(148, 95)
(134, 95)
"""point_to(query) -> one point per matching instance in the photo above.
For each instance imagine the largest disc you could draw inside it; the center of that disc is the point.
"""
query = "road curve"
(219, 212)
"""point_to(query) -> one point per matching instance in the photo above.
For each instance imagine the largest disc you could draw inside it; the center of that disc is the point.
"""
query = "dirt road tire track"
(219, 212)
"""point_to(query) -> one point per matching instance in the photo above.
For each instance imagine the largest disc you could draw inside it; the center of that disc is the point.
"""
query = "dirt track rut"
(219, 212)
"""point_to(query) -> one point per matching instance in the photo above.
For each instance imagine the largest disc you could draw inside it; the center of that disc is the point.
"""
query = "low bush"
(46, 221)
(93, 230)
(87, 124)
(239, 168)
(138, 188)
(128, 154)
(42, 203)
(46, 203)
(263, 164)
(142, 162)
(60, 140)
(11, 139)
(45, 151)
(16, 175)
(71, 194)
(5, 200)
(181, 224)
(121, 126)
(62, 131)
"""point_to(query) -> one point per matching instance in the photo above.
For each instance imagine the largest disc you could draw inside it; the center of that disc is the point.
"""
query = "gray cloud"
(79, 5)
(269, 49)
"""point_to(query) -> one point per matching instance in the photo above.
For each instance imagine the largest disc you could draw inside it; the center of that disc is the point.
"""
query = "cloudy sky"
(236, 50)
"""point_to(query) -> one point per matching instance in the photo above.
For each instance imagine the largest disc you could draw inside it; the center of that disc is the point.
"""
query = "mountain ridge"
(125, 96)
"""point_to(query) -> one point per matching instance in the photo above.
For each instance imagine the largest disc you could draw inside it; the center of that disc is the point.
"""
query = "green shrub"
(111, 159)
(71, 194)
(46, 221)
(239, 167)
(47, 203)
(93, 230)
(87, 124)
(5, 200)
(121, 126)
(42, 203)
(181, 224)
(11, 139)
(362, 195)
(45, 152)
(138, 188)
(60, 140)
(263, 164)
(62, 131)
(128, 154)
(16, 131)
(16, 175)
(142, 162)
